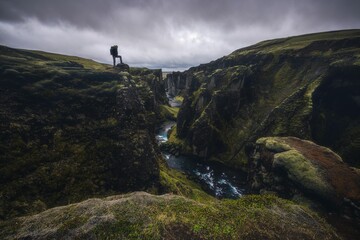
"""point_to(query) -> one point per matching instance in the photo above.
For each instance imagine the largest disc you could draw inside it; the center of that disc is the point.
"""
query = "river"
(215, 178)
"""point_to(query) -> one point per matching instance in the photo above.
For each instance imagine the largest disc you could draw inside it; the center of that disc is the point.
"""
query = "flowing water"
(215, 178)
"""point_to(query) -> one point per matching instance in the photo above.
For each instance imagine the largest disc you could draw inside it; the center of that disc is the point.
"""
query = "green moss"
(176, 182)
(174, 139)
(195, 96)
(281, 78)
(295, 43)
(143, 216)
(274, 144)
(302, 171)
(169, 112)
(121, 229)
(87, 63)
(179, 99)
(72, 222)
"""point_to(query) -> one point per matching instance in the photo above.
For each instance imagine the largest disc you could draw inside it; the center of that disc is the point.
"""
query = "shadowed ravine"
(215, 178)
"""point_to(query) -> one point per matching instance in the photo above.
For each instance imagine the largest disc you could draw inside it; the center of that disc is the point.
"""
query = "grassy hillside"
(304, 86)
(144, 216)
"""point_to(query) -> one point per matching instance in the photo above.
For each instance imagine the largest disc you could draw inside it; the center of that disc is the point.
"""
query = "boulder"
(292, 166)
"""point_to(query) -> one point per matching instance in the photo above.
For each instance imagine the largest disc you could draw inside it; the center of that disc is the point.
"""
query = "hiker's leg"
(120, 59)
(114, 61)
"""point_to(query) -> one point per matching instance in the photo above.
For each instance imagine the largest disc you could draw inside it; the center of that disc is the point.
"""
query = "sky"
(168, 34)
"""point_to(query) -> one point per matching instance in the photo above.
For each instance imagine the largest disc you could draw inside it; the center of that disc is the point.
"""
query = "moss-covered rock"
(291, 166)
(274, 144)
(169, 113)
(143, 216)
(301, 171)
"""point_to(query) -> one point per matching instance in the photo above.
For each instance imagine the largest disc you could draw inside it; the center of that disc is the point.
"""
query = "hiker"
(115, 54)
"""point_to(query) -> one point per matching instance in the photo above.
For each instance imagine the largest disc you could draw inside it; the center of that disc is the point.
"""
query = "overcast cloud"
(173, 34)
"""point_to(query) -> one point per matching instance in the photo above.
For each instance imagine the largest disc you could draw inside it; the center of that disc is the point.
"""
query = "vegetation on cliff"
(303, 86)
(72, 128)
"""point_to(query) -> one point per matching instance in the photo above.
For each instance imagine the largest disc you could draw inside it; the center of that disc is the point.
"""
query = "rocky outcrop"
(154, 83)
(140, 215)
(123, 67)
(175, 83)
(72, 128)
(292, 167)
(284, 87)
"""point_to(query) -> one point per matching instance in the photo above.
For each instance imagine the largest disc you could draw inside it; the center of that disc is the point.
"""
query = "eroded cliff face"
(302, 86)
(175, 83)
(72, 128)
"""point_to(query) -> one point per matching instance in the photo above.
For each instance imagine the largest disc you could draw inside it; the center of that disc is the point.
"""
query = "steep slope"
(143, 216)
(72, 128)
(305, 86)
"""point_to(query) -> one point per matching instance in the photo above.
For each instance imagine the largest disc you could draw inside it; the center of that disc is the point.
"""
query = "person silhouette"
(114, 53)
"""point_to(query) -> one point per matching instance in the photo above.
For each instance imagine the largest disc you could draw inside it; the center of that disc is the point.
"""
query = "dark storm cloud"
(165, 32)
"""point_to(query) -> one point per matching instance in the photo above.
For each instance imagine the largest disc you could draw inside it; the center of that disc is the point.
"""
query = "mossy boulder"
(140, 215)
(291, 166)
(301, 171)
